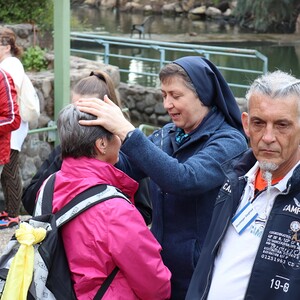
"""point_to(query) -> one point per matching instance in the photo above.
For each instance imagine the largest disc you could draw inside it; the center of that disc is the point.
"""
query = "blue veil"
(211, 87)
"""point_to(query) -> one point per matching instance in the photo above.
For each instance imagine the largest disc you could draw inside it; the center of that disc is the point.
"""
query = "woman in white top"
(11, 178)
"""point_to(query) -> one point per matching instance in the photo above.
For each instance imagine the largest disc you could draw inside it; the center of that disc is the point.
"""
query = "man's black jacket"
(276, 270)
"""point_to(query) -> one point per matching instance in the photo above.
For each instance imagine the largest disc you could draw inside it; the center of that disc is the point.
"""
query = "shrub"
(34, 59)
(39, 12)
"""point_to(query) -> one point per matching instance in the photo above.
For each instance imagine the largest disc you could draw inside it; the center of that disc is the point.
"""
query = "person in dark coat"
(183, 159)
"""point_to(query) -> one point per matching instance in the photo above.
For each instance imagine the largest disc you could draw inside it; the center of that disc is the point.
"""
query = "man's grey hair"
(78, 140)
(275, 84)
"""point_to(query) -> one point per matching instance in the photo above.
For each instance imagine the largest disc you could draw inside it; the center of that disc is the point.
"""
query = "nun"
(182, 159)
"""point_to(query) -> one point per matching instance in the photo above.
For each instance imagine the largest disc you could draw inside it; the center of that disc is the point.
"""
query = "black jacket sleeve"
(142, 200)
(49, 166)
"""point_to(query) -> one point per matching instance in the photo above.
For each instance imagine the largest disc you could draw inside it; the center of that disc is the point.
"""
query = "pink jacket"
(9, 114)
(109, 234)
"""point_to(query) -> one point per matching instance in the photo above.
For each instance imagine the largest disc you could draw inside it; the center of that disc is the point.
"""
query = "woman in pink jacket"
(112, 233)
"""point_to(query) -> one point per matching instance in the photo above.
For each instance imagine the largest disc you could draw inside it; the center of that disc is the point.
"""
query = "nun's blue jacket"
(185, 182)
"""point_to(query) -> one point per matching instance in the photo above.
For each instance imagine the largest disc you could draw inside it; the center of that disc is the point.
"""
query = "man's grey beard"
(267, 168)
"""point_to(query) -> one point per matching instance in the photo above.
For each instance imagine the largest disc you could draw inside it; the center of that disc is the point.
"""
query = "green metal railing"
(105, 44)
(49, 133)
(52, 129)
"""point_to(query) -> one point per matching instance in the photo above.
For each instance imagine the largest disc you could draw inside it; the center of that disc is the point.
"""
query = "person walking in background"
(9, 121)
(96, 85)
(11, 177)
(252, 246)
(183, 159)
(111, 233)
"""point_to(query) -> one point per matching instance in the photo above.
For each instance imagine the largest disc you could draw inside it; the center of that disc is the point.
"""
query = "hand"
(108, 114)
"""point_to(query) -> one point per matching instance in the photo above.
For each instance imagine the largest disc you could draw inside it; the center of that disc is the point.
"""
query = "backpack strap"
(83, 201)
(86, 199)
(106, 284)
(47, 197)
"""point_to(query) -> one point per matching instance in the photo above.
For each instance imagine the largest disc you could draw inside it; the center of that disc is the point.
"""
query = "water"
(281, 56)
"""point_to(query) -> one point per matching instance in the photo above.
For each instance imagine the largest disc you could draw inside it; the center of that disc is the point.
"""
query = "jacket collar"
(91, 171)
(243, 162)
(240, 164)
(210, 124)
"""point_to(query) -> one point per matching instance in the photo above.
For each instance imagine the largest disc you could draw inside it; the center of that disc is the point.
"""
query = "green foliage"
(34, 59)
(216, 2)
(39, 12)
(268, 15)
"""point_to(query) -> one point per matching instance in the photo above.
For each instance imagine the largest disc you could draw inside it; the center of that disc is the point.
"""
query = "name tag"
(244, 218)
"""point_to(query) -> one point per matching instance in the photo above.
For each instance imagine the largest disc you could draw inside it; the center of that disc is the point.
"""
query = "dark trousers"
(12, 184)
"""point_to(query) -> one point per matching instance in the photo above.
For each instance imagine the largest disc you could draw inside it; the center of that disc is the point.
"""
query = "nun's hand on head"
(109, 115)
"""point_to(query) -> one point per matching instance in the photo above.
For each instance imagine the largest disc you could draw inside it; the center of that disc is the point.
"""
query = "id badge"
(244, 218)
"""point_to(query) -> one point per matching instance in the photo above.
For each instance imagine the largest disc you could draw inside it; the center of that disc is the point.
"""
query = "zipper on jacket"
(206, 290)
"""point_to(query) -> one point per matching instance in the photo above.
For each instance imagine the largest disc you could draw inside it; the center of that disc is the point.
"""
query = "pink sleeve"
(137, 253)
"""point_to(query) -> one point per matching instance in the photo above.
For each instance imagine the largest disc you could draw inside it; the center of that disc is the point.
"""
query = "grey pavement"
(6, 234)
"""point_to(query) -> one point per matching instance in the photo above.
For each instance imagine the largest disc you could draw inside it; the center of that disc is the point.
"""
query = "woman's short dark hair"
(78, 140)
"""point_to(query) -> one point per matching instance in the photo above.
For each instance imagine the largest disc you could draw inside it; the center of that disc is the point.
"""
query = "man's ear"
(101, 145)
(245, 122)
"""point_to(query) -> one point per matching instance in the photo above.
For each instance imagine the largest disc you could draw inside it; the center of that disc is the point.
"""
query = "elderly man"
(252, 249)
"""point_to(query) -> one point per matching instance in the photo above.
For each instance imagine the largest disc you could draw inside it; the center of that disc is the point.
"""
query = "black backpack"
(51, 274)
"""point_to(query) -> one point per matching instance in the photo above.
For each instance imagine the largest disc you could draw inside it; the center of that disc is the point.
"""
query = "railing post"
(106, 53)
(61, 54)
(162, 57)
(105, 44)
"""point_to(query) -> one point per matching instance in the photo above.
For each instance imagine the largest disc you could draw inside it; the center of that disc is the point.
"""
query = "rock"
(223, 6)
(148, 9)
(93, 3)
(198, 10)
(227, 13)
(187, 5)
(213, 12)
(159, 109)
(169, 9)
(178, 9)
